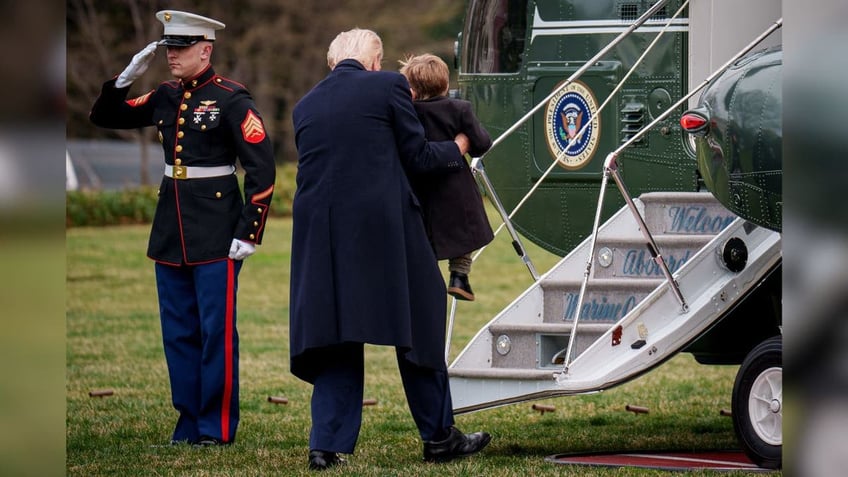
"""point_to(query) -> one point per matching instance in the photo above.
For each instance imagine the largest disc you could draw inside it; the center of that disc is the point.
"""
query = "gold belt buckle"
(179, 172)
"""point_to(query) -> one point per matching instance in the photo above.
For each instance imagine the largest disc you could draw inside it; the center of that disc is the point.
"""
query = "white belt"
(197, 172)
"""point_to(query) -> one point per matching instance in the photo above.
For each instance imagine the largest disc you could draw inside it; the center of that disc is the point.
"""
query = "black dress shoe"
(207, 441)
(456, 445)
(320, 460)
(459, 288)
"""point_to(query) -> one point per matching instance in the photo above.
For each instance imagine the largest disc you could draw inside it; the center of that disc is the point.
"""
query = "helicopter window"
(494, 40)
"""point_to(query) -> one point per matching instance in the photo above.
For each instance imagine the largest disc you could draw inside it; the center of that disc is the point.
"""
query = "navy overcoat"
(362, 269)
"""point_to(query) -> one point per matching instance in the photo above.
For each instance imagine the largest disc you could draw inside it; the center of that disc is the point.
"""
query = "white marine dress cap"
(186, 29)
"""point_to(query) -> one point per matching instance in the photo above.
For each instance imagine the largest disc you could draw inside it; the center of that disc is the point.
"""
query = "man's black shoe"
(459, 288)
(320, 460)
(456, 445)
(207, 441)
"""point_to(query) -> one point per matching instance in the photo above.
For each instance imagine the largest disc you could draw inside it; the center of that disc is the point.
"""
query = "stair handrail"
(611, 168)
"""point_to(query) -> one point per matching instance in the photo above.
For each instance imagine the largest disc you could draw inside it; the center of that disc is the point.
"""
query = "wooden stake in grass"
(278, 400)
(369, 402)
(636, 409)
(543, 408)
(101, 393)
(725, 412)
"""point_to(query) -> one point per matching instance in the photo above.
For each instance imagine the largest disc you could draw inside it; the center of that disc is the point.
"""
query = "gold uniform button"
(181, 121)
(178, 161)
(256, 224)
(183, 107)
(178, 148)
(180, 135)
(187, 95)
(194, 82)
(218, 195)
(203, 127)
(259, 210)
(161, 121)
(252, 237)
(218, 80)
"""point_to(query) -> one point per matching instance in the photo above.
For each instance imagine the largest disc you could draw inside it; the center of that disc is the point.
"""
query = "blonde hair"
(359, 44)
(428, 75)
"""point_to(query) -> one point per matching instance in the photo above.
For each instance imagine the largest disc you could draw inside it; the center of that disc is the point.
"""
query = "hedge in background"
(138, 205)
(128, 206)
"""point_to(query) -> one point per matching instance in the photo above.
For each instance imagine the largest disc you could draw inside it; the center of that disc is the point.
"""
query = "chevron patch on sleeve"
(135, 102)
(252, 128)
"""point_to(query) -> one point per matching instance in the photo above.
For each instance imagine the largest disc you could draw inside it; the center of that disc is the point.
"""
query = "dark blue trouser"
(197, 308)
(338, 390)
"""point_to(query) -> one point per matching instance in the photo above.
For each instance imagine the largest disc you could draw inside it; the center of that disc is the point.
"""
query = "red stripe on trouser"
(228, 354)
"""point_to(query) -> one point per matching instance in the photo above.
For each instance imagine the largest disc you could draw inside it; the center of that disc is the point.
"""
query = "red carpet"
(716, 460)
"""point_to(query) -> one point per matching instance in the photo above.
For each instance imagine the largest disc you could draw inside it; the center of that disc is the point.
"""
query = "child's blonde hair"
(428, 75)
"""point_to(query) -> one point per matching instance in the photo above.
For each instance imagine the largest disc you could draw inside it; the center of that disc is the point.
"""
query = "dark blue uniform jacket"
(207, 121)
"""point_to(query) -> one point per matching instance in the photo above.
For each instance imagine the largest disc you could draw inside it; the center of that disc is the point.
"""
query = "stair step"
(606, 300)
(612, 284)
(626, 259)
(535, 345)
(689, 213)
(550, 328)
(504, 373)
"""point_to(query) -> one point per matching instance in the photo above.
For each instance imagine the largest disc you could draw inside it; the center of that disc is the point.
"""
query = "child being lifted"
(451, 204)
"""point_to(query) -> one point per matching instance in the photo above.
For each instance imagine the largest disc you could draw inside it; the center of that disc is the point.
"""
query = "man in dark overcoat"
(203, 228)
(362, 269)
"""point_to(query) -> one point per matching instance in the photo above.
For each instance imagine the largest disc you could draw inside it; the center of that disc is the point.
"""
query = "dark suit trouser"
(338, 391)
(197, 307)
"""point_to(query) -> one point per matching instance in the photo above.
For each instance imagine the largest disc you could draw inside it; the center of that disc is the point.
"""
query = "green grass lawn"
(114, 342)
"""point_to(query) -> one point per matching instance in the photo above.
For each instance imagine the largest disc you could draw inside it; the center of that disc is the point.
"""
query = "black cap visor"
(180, 40)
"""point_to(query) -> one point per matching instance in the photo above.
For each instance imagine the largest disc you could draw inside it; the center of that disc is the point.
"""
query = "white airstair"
(631, 321)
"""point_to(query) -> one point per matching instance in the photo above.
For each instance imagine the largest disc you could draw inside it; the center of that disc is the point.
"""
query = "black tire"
(757, 404)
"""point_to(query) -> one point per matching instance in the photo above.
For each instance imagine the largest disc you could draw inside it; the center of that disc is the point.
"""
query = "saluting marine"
(203, 227)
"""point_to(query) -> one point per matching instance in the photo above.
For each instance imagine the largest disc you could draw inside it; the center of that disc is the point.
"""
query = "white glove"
(240, 250)
(137, 66)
